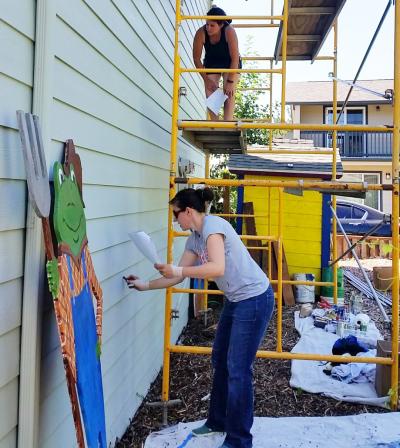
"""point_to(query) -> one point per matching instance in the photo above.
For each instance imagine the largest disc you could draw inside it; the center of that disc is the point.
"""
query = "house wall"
(295, 111)
(302, 221)
(382, 116)
(382, 168)
(304, 114)
(110, 90)
(311, 114)
(112, 93)
(17, 34)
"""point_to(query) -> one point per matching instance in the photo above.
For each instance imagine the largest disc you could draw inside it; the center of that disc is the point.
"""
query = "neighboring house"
(366, 156)
(100, 73)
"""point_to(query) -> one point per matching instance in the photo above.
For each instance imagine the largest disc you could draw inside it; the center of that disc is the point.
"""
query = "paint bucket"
(327, 291)
(304, 293)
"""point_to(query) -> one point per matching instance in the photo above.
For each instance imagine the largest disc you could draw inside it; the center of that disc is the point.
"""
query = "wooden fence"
(371, 247)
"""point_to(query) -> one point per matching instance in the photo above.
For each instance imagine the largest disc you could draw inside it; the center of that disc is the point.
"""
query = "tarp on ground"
(355, 431)
(309, 375)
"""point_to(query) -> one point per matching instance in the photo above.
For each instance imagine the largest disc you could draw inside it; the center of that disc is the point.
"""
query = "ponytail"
(196, 199)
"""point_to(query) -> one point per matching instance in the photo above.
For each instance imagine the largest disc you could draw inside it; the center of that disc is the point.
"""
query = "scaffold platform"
(216, 140)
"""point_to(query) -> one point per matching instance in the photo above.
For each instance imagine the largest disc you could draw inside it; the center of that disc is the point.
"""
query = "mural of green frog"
(73, 284)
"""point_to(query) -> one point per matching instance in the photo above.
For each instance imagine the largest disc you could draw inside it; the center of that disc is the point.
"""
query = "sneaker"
(204, 431)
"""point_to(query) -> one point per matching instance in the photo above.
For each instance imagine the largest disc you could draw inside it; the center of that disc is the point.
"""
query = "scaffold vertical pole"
(284, 55)
(395, 214)
(269, 233)
(270, 103)
(172, 189)
(205, 296)
(279, 262)
(272, 11)
(334, 161)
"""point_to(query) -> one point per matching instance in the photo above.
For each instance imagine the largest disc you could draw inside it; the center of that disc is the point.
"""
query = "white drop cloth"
(309, 375)
(352, 431)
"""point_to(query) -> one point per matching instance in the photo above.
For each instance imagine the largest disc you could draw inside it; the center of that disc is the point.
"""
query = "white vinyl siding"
(17, 21)
(112, 94)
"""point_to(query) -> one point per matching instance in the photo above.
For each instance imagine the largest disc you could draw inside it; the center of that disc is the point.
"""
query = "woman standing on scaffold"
(220, 43)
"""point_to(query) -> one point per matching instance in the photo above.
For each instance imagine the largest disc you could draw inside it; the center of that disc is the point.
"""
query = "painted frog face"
(69, 217)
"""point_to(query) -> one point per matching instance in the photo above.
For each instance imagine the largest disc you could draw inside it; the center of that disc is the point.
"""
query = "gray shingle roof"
(320, 92)
(308, 165)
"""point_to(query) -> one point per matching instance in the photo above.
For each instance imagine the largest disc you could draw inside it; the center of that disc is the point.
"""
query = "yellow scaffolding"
(169, 348)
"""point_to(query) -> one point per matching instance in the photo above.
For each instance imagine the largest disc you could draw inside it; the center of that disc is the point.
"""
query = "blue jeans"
(240, 330)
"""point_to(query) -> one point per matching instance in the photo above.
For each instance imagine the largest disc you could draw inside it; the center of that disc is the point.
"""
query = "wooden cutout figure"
(71, 277)
(73, 284)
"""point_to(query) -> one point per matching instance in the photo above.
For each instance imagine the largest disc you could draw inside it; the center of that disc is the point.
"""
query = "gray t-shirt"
(243, 278)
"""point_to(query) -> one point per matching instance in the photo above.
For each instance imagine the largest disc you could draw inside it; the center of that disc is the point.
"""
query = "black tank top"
(217, 55)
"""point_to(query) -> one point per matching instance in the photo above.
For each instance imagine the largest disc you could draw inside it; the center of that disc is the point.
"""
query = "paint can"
(304, 293)
(327, 291)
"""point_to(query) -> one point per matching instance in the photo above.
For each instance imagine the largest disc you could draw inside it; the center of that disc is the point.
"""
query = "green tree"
(218, 169)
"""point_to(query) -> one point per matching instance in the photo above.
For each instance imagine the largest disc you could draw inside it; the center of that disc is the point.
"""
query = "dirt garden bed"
(191, 381)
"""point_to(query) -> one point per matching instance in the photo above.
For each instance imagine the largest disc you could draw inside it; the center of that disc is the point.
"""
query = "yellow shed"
(306, 217)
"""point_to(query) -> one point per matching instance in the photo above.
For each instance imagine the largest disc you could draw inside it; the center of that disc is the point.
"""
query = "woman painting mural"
(221, 48)
(214, 250)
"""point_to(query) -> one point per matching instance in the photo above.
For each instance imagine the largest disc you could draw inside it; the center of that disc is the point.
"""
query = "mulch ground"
(191, 381)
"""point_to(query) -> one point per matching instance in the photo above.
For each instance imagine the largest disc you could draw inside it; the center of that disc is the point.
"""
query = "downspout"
(325, 231)
(34, 270)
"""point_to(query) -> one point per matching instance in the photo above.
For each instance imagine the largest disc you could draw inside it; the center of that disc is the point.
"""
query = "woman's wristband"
(229, 80)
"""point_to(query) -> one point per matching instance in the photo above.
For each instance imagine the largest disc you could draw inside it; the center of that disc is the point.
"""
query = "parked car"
(358, 219)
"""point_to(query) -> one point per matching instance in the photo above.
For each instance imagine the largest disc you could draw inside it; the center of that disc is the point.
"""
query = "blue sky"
(357, 23)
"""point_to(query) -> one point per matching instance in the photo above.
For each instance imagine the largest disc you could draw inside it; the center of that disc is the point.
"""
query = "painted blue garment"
(349, 344)
(88, 367)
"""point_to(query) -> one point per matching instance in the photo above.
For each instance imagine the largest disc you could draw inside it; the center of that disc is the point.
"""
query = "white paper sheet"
(215, 101)
(145, 244)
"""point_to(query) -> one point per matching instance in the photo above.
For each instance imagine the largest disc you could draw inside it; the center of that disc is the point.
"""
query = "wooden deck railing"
(355, 144)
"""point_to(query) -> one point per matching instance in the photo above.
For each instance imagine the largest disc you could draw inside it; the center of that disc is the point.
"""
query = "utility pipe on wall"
(34, 269)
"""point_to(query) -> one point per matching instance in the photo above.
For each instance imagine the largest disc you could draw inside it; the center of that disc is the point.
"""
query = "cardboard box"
(383, 277)
(383, 373)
